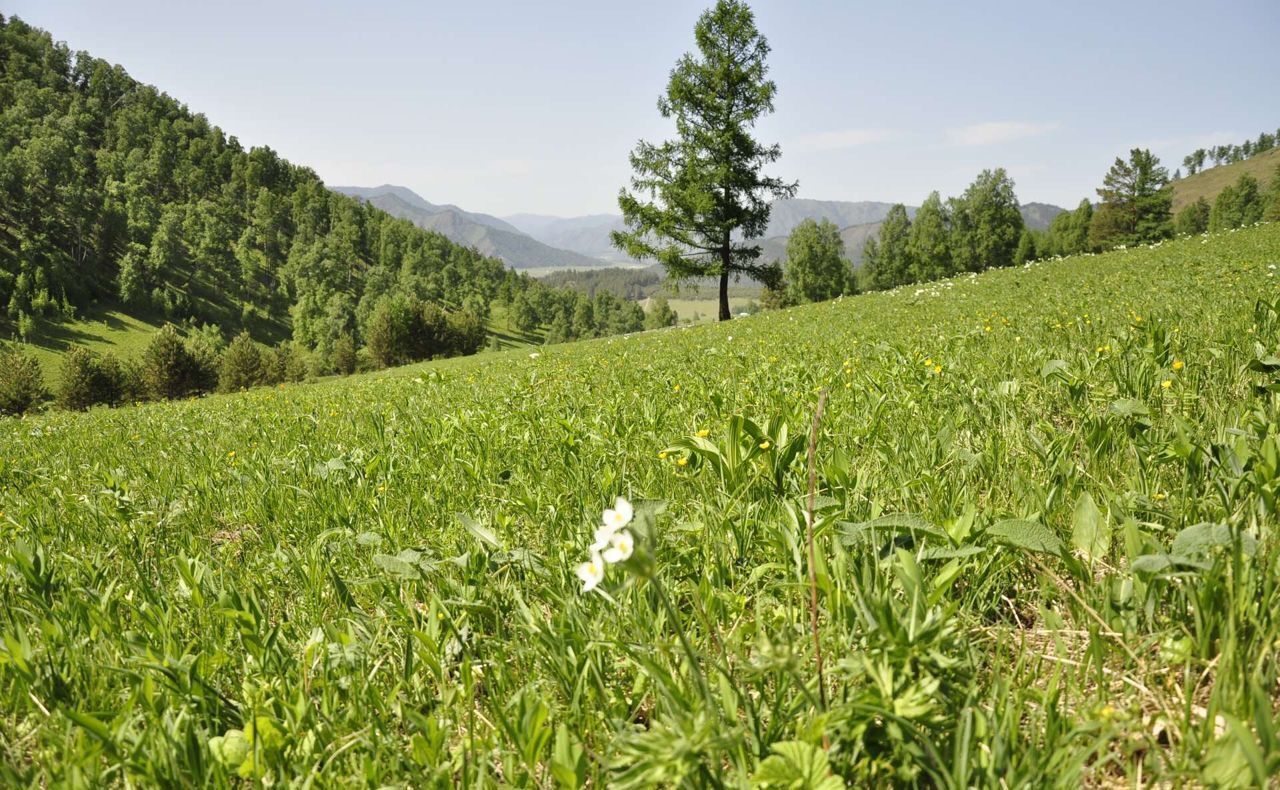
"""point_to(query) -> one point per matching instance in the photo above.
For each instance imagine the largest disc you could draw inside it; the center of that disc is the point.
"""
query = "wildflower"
(620, 548)
(1166, 384)
(1178, 364)
(591, 572)
(937, 370)
(619, 516)
(662, 455)
(682, 461)
(703, 433)
(676, 388)
(231, 453)
(765, 445)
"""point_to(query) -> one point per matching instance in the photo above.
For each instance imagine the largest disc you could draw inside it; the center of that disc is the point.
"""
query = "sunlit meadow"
(1044, 553)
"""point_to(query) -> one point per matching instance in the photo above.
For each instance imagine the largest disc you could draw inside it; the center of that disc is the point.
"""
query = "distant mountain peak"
(488, 234)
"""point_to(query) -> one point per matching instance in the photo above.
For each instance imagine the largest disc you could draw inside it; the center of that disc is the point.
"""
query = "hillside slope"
(120, 200)
(379, 576)
(1208, 183)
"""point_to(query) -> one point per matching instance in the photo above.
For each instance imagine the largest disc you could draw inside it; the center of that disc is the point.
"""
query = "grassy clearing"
(107, 330)
(1208, 183)
(371, 580)
(706, 310)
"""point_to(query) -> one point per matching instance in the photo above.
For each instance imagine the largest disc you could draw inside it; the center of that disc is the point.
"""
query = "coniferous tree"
(1136, 201)
(343, 356)
(168, 369)
(21, 382)
(243, 365)
(89, 380)
(697, 202)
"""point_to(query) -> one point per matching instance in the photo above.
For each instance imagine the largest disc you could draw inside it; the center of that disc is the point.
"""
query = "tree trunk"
(724, 285)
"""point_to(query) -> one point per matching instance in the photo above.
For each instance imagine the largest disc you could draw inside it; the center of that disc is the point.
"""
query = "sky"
(533, 107)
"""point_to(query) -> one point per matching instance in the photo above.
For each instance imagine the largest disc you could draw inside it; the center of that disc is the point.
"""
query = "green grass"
(127, 337)
(102, 330)
(707, 310)
(1208, 183)
(371, 581)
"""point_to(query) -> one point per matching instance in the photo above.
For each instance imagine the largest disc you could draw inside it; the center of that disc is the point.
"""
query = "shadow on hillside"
(60, 337)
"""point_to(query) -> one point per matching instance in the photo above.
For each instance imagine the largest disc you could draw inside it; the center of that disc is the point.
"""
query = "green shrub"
(168, 369)
(243, 365)
(343, 355)
(21, 382)
(288, 361)
(89, 380)
(466, 334)
(404, 329)
(206, 345)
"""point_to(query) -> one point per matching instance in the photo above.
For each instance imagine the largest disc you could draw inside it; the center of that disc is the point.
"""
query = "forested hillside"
(117, 194)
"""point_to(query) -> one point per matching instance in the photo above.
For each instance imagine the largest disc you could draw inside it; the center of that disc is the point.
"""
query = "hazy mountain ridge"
(418, 202)
(858, 221)
(489, 235)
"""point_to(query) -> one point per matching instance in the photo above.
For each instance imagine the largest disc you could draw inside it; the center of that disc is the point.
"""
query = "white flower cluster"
(613, 543)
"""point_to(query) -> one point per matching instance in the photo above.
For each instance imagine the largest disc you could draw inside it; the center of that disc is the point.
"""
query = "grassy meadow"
(1209, 183)
(1045, 553)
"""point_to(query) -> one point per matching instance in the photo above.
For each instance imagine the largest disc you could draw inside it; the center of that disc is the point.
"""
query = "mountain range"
(538, 241)
(489, 235)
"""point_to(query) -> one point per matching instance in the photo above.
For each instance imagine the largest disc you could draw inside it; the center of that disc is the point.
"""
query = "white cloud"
(995, 132)
(843, 138)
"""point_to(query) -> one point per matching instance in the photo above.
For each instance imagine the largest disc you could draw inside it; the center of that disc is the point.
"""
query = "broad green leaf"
(1199, 539)
(1054, 367)
(1128, 407)
(1026, 535)
(796, 765)
(1090, 533)
(480, 532)
(892, 525)
(568, 760)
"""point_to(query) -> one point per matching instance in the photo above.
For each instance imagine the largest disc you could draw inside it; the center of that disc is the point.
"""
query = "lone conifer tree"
(697, 201)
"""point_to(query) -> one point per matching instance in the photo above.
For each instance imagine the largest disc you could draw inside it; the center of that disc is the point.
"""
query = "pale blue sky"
(514, 106)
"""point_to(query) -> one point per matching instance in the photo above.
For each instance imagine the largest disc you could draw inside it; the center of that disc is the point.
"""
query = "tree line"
(983, 229)
(1195, 161)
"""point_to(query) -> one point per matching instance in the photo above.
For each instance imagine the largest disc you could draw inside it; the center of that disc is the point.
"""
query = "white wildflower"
(591, 572)
(620, 548)
(619, 516)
